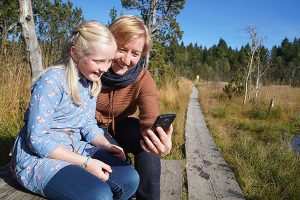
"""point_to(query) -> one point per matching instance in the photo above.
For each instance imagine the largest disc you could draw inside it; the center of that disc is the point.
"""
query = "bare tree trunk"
(257, 85)
(246, 95)
(29, 35)
(151, 23)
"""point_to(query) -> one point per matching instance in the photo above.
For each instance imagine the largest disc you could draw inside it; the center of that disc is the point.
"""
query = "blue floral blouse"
(51, 120)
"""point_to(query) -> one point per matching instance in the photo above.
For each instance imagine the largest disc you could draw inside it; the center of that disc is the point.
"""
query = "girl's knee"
(100, 193)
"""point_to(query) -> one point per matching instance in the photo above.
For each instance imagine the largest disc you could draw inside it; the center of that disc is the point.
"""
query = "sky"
(206, 21)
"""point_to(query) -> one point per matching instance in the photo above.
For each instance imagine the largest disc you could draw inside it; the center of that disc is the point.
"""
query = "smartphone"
(164, 121)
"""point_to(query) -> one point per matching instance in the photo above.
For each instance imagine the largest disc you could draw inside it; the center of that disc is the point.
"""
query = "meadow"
(255, 141)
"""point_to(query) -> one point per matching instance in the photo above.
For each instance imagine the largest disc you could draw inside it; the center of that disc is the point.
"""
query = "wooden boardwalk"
(171, 183)
(208, 175)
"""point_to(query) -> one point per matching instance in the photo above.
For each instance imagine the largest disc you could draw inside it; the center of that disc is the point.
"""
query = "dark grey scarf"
(111, 80)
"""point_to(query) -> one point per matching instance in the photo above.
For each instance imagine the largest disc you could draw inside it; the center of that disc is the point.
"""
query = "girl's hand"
(160, 145)
(98, 168)
(116, 150)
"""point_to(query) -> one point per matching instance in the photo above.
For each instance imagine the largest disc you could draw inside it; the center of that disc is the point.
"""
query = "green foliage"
(55, 21)
(221, 112)
(260, 112)
(231, 89)
(164, 27)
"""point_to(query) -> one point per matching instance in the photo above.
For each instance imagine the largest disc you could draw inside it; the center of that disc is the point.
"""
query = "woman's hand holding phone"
(158, 143)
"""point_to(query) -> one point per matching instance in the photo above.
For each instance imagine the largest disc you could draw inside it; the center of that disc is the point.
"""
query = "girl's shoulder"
(53, 75)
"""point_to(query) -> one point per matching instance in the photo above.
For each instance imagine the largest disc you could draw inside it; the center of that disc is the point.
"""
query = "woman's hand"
(98, 168)
(116, 150)
(160, 145)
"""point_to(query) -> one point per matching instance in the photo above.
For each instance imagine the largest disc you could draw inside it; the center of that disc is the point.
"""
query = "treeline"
(55, 19)
(223, 63)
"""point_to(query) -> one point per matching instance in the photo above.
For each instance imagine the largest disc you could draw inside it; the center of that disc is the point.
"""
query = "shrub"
(220, 112)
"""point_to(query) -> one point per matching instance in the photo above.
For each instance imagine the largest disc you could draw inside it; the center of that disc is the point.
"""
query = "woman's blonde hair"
(129, 27)
(84, 34)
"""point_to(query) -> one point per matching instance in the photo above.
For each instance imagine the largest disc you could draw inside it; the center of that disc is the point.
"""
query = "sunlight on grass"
(256, 142)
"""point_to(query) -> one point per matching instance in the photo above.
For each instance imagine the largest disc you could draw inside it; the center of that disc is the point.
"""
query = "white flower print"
(40, 119)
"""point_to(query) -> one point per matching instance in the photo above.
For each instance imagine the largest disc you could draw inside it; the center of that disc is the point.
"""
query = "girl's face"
(128, 55)
(96, 60)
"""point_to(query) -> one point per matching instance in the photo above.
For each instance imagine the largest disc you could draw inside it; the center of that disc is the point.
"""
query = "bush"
(263, 113)
(220, 112)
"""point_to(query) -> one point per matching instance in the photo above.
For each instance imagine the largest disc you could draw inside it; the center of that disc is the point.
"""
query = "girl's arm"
(101, 142)
(94, 166)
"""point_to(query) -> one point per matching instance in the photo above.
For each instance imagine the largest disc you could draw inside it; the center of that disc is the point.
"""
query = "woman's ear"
(74, 54)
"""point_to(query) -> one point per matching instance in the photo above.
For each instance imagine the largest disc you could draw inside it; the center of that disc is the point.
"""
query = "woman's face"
(95, 60)
(128, 55)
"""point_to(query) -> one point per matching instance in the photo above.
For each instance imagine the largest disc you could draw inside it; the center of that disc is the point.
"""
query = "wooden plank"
(10, 189)
(208, 175)
(171, 183)
(171, 179)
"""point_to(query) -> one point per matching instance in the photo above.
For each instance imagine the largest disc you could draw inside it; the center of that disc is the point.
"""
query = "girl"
(49, 156)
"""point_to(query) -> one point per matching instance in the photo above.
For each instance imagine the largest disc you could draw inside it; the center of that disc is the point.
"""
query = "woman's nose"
(127, 59)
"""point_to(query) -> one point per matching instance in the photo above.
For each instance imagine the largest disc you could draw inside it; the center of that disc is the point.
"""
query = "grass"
(14, 95)
(256, 141)
(174, 98)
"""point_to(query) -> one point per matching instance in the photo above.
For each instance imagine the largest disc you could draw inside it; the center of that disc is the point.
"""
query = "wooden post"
(272, 104)
(29, 35)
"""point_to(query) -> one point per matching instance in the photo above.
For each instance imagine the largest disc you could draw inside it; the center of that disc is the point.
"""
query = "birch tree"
(255, 41)
(30, 38)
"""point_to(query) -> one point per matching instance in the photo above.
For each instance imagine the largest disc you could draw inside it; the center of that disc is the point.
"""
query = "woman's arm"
(148, 107)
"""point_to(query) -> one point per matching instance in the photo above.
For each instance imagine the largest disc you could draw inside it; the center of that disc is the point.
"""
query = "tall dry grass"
(14, 95)
(256, 142)
(173, 97)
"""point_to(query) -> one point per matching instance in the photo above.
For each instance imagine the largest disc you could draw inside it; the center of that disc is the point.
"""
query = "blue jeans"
(73, 182)
(128, 136)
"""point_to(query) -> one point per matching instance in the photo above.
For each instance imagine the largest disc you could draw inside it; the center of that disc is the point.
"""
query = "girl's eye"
(99, 61)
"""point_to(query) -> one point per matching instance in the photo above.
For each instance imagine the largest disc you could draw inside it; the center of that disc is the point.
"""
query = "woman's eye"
(136, 54)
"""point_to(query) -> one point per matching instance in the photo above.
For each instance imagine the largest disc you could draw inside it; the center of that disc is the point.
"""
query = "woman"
(60, 152)
(127, 86)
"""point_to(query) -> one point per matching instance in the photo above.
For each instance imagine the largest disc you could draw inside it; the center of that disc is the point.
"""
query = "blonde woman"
(50, 157)
(128, 87)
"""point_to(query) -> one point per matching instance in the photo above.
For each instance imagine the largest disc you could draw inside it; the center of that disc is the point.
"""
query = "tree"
(29, 35)
(112, 14)
(255, 45)
(9, 17)
(160, 17)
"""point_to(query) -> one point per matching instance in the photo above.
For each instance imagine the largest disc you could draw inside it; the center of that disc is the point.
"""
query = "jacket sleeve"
(91, 130)
(147, 102)
(46, 95)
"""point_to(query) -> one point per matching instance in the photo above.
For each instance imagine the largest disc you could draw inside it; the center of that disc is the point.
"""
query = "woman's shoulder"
(144, 75)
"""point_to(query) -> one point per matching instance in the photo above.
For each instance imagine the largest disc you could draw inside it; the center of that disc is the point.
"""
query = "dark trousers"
(75, 183)
(128, 136)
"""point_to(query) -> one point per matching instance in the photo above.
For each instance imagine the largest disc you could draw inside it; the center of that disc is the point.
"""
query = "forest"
(55, 19)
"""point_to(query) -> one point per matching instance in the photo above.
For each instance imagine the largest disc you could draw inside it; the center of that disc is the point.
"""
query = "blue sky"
(206, 21)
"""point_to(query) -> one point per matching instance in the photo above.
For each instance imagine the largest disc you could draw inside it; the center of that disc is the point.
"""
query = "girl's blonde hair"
(129, 27)
(81, 37)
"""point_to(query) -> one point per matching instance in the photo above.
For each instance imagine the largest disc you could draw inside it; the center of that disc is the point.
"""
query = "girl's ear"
(74, 54)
